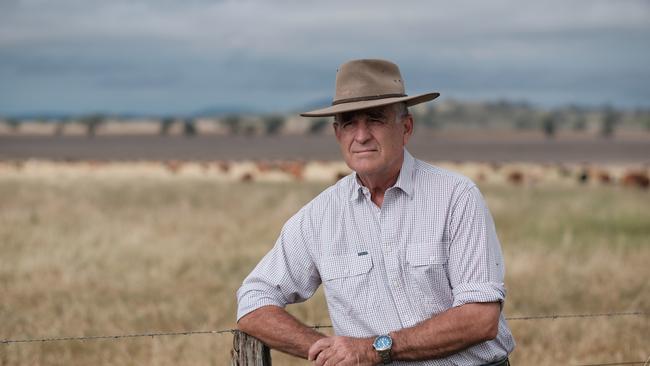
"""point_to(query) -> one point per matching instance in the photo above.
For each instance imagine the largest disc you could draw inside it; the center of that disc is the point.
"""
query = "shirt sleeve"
(476, 269)
(286, 274)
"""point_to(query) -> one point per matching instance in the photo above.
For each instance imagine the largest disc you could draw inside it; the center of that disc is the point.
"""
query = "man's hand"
(343, 351)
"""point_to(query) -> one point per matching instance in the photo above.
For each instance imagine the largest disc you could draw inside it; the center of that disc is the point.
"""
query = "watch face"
(383, 343)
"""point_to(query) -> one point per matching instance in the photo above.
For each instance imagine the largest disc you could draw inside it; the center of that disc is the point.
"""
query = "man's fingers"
(317, 348)
(322, 358)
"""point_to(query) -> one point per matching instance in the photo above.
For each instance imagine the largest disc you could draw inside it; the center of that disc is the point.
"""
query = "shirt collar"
(404, 180)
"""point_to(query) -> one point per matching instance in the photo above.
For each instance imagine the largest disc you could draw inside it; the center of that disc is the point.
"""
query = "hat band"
(372, 97)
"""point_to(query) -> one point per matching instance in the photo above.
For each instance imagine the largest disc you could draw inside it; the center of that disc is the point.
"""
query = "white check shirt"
(430, 247)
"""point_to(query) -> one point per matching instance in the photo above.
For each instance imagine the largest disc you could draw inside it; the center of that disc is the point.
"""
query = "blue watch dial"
(383, 342)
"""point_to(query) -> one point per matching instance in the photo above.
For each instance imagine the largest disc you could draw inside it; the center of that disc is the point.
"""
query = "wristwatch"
(383, 345)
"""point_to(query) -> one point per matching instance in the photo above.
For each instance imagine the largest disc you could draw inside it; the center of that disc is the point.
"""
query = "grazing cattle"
(636, 179)
(583, 177)
(294, 168)
(174, 166)
(564, 171)
(264, 166)
(515, 177)
(247, 177)
(603, 177)
(224, 166)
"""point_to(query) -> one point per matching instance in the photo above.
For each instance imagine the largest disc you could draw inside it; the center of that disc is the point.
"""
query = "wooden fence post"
(249, 351)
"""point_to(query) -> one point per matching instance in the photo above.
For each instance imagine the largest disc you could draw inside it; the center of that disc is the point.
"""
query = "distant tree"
(189, 127)
(165, 125)
(549, 125)
(318, 126)
(610, 118)
(248, 129)
(60, 126)
(13, 123)
(233, 122)
(523, 122)
(92, 121)
(580, 122)
(429, 118)
(273, 124)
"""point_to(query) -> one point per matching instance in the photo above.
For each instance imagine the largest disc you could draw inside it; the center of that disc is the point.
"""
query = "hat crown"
(368, 79)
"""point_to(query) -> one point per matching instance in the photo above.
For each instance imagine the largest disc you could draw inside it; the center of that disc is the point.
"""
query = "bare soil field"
(427, 145)
(117, 250)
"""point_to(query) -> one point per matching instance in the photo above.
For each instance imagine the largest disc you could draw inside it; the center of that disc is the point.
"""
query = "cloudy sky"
(166, 56)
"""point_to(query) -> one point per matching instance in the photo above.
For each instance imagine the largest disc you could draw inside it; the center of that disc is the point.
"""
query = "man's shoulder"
(441, 177)
(334, 194)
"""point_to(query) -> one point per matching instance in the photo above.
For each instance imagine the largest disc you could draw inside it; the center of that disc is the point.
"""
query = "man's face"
(372, 140)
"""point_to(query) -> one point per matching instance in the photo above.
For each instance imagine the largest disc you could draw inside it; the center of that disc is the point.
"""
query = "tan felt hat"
(362, 84)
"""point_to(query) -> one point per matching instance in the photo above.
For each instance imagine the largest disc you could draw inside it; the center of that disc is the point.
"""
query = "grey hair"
(401, 110)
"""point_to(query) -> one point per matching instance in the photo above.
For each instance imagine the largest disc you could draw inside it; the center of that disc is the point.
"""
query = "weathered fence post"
(249, 351)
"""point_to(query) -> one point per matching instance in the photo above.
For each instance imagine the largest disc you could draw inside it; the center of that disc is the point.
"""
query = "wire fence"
(317, 326)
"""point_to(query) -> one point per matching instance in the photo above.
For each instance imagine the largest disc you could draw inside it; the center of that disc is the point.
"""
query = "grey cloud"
(166, 54)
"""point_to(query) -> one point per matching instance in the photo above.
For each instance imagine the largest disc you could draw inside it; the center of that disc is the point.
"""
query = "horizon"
(217, 111)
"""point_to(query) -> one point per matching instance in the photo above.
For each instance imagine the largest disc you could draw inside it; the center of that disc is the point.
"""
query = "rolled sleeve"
(478, 292)
(285, 275)
(476, 269)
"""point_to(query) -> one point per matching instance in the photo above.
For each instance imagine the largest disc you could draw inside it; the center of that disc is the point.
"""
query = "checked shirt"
(431, 246)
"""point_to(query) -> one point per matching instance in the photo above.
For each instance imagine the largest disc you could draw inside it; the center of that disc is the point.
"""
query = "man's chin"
(363, 168)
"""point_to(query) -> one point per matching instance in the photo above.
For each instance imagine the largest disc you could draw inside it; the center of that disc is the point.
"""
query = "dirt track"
(428, 147)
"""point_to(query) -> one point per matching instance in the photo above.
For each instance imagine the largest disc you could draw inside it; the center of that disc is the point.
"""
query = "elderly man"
(407, 252)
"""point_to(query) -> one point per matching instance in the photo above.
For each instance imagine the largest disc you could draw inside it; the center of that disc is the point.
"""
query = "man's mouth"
(364, 151)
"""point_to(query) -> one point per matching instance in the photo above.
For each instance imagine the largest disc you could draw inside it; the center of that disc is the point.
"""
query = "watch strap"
(385, 356)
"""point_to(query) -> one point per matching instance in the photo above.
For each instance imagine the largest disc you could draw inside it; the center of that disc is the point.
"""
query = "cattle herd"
(521, 174)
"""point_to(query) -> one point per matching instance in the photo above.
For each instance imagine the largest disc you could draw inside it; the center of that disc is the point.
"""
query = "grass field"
(98, 256)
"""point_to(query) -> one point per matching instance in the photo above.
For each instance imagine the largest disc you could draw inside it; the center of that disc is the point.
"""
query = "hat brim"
(355, 106)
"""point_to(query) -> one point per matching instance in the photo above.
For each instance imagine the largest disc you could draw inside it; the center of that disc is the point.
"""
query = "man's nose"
(362, 132)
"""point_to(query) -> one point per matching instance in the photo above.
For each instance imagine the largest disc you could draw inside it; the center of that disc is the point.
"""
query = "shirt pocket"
(346, 280)
(427, 273)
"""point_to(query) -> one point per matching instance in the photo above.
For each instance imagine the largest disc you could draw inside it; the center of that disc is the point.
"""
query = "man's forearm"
(279, 330)
(447, 333)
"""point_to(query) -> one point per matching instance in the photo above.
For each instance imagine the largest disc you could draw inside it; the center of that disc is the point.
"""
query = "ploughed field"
(105, 250)
(488, 146)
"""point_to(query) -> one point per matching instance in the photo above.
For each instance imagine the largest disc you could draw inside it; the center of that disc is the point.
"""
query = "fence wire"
(616, 363)
(223, 331)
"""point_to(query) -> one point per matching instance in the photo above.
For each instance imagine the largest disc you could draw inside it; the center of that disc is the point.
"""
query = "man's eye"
(377, 121)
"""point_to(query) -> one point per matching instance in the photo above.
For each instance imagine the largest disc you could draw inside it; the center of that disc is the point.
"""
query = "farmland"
(95, 251)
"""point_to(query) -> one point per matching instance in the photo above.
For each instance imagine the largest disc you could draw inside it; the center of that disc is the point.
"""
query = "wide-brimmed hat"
(362, 84)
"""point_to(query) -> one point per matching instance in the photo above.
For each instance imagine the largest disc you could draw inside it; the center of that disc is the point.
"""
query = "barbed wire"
(615, 363)
(562, 316)
(118, 336)
(317, 326)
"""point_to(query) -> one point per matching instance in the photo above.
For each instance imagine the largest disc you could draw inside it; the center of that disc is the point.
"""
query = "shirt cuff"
(478, 292)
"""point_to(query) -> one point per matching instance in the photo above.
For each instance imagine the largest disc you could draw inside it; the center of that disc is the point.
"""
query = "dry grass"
(84, 255)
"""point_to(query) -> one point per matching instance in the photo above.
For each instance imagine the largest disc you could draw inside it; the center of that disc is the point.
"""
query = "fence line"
(232, 331)
(616, 363)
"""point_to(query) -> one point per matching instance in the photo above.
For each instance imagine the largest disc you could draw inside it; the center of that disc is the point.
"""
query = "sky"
(183, 57)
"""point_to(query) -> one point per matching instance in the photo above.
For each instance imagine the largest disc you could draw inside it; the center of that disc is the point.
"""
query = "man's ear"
(407, 123)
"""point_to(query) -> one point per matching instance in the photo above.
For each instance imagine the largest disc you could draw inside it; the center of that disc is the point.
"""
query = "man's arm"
(279, 330)
(447, 333)
(442, 335)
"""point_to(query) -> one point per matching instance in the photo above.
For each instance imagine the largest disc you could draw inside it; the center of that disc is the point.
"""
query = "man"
(407, 252)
